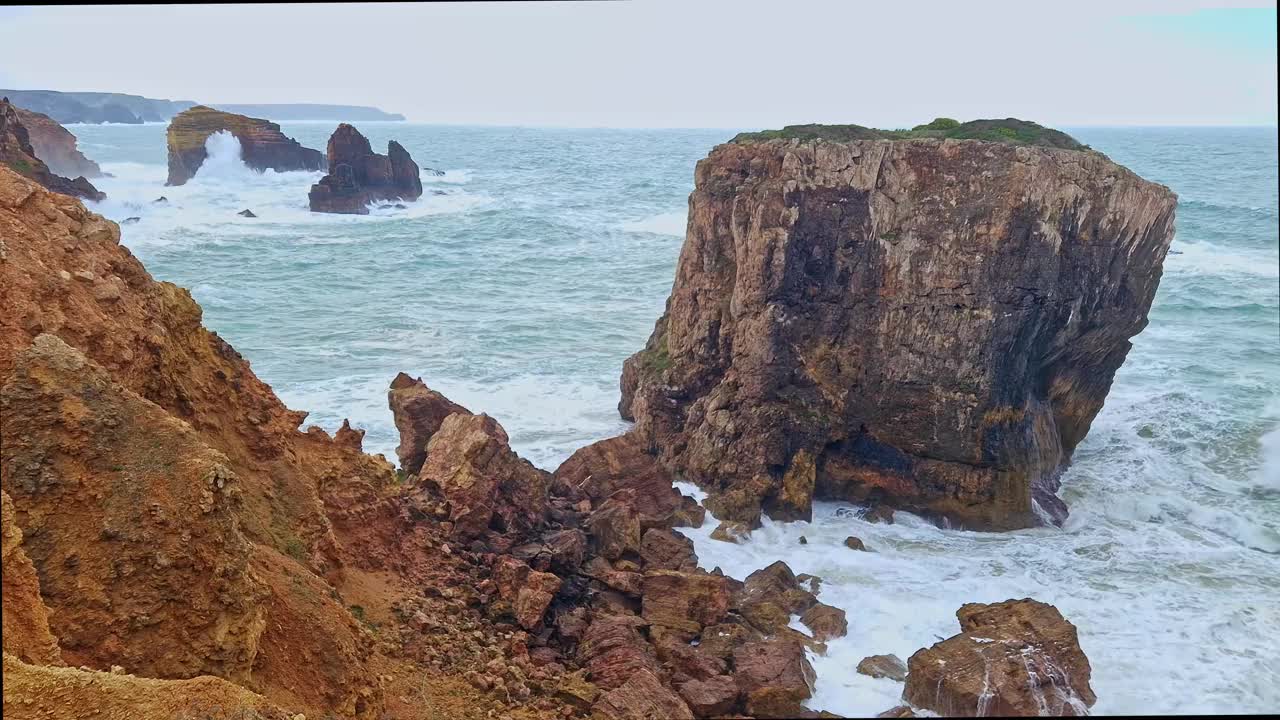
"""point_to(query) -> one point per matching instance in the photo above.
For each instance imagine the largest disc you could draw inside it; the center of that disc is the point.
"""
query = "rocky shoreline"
(175, 541)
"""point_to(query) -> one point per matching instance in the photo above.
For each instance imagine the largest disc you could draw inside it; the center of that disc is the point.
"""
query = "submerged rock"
(17, 152)
(928, 324)
(359, 176)
(262, 145)
(1018, 657)
(247, 213)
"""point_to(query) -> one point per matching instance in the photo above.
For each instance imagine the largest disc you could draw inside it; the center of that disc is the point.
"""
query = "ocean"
(527, 273)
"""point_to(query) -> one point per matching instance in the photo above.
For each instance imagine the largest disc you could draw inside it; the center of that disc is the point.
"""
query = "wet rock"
(641, 697)
(825, 622)
(130, 220)
(247, 213)
(854, 543)
(684, 601)
(160, 200)
(836, 298)
(418, 412)
(731, 532)
(358, 176)
(667, 550)
(262, 145)
(1018, 657)
(804, 540)
(774, 676)
(770, 596)
(884, 666)
(879, 514)
(901, 711)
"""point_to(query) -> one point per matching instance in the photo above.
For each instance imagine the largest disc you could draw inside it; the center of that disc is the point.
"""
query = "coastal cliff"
(262, 145)
(359, 176)
(18, 154)
(56, 146)
(901, 318)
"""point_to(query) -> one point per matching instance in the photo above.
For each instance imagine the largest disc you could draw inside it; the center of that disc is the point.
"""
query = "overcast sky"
(669, 63)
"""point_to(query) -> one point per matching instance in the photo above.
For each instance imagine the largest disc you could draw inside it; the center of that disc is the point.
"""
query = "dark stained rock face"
(17, 152)
(56, 146)
(359, 176)
(262, 145)
(1017, 657)
(927, 324)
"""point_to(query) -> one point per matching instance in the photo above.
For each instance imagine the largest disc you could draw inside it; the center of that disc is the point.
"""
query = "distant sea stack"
(17, 153)
(262, 144)
(358, 176)
(927, 319)
(56, 146)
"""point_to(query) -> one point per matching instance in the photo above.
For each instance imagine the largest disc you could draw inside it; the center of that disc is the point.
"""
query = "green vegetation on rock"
(1009, 130)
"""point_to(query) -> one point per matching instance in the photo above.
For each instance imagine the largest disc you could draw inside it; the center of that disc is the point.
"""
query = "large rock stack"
(897, 318)
(358, 176)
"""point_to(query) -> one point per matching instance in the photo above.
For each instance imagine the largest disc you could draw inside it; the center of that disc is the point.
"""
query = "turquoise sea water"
(519, 290)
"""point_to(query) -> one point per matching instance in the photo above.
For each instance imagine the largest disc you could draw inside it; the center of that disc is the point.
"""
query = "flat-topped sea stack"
(262, 145)
(927, 319)
(56, 146)
(18, 153)
(359, 176)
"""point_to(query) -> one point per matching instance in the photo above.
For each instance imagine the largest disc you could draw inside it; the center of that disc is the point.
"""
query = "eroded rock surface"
(108, 484)
(56, 146)
(1018, 657)
(19, 155)
(262, 145)
(359, 176)
(418, 412)
(929, 324)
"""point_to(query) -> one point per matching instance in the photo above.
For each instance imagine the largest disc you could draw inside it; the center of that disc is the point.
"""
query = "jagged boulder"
(1017, 657)
(359, 176)
(18, 154)
(418, 412)
(926, 322)
(487, 486)
(262, 145)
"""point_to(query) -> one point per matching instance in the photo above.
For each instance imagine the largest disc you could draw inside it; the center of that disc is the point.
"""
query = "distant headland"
(103, 107)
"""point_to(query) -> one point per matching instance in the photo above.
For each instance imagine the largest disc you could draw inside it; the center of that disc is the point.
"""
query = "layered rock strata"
(56, 146)
(1014, 658)
(928, 324)
(18, 154)
(262, 145)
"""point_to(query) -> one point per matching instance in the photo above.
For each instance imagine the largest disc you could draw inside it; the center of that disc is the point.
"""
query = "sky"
(677, 63)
